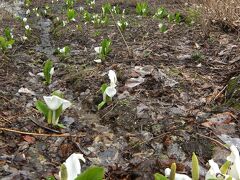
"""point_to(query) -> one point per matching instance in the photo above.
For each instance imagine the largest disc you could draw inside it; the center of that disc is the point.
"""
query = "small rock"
(184, 57)
(202, 116)
(133, 82)
(145, 70)
(230, 141)
(26, 91)
(175, 151)
(141, 110)
(123, 95)
(180, 110)
(67, 121)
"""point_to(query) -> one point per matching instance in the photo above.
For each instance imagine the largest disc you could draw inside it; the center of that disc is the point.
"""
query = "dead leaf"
(29, 139)
(218, 119)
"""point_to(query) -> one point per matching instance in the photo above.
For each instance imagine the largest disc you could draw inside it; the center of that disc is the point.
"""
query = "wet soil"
(146, 127)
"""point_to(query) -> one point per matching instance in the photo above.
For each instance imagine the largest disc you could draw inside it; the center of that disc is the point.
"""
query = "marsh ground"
(176, 107)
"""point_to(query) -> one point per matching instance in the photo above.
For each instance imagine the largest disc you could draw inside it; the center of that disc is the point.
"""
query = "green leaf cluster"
(142, 8)
(161, 13)
(48, 114)
(69, 3)
(105, 48)
(7, 40)
(46, 71)
(106, 9)
(87, 16)
(71, 14)
(122, 24)
(116, 9)
(90, 3)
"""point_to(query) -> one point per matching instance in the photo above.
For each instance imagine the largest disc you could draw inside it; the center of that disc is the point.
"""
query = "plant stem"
(54, 118)
(115, 22)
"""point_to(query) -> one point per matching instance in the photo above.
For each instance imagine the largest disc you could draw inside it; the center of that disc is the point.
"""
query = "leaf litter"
(161, 109)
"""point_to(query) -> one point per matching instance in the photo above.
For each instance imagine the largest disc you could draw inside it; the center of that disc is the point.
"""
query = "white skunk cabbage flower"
(24, 38)
(54, 102)
(97, 60)
(24, 19)
(73, 166)
(62, 50)
(214, 170)
(64, 23)
(98, 49)
(81, 8)
(234, 158)
(177, 176)
(27, 27)
(28, 11)
(111, 90)
(51, 73)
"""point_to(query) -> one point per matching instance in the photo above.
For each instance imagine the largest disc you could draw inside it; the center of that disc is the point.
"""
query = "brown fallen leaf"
(218, 119)
(29, 139)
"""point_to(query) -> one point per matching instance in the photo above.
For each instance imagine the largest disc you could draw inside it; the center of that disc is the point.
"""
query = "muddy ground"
(177, 108)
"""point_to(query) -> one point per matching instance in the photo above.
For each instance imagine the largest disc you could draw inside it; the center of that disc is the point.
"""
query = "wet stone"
(175, 151)
(109, 156)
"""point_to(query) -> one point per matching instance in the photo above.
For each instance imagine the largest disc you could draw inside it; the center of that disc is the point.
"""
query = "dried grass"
(225, 12)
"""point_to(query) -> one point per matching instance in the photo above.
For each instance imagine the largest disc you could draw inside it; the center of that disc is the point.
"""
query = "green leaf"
(58, 93)
(92, 173)
(69, 3)
(11, 42)
(171, 17)
(173, 171)
(103, 87)
(50, 178)
(106, 9)
(161, 13)
(58, 114)
(87, 16)
(142, 8)
(195, 167)
(7, 33)
(105, 44)
(67, 50)
(5, 44)
(158, 176)
(46, 71)
(49, 117)
(163, 27)
(116, 9)
(63, 171)
(61, 126)
(42, 107)
(224, 168)
(177, 17)
(100, 105)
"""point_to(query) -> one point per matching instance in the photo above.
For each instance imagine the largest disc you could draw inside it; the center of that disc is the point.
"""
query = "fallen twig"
(214, 140)
(223, 89)
(44, 127)
(41, 134)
